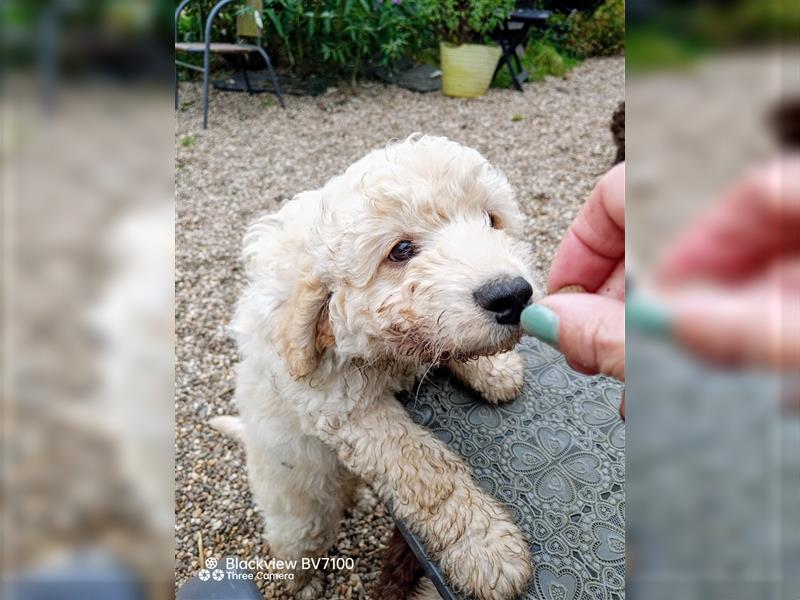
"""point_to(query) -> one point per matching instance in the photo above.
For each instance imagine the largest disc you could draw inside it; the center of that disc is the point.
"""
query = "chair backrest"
(246, 24)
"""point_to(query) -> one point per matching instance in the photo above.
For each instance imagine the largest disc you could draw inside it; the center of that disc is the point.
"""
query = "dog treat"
(572, 289)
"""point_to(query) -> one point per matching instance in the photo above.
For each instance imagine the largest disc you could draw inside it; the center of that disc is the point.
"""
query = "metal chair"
(244, 28)
(512, 36)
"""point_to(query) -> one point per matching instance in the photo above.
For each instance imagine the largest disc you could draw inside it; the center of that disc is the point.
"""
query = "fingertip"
(649, 317)
(542, 323)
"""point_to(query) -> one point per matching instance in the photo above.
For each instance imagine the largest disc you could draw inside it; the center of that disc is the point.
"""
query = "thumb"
(758, 327)
(589, 330)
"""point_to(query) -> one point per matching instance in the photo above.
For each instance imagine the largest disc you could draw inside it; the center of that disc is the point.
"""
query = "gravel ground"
(553, 142)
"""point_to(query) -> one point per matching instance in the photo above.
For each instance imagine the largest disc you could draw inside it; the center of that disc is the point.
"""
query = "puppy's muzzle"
(504, 299)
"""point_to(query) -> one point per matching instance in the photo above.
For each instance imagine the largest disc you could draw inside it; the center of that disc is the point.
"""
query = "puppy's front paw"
(504, 381)
(491, 561)
(498, 378)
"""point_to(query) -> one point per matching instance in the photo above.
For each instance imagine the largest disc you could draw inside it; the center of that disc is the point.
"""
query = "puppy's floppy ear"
(304, 329)
(324, 334)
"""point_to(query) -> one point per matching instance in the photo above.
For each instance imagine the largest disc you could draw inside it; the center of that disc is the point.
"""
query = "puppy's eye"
(494, 221)
(402, 251)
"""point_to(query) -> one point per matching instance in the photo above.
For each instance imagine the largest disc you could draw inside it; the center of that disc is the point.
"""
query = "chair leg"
(177, 89)
(509, 56)
(509, 51)
(273, 77)
(500, 64)
(206, 77)
(517, 61)
(518, 76)
(246, 78)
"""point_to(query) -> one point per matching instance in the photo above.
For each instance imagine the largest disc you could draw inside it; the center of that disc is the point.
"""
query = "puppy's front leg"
(498, 378)
(475, 541)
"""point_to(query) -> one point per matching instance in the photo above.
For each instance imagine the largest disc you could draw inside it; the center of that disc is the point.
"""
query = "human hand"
(589, 328)
(729, 289)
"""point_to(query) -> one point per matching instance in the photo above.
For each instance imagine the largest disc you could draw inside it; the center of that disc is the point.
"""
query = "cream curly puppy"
(406, 261)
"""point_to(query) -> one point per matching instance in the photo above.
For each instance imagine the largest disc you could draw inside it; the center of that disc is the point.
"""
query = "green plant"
(542, 59)
(319, 36)
(464, 21)
(601, 33)
(192, 22)
(343, 35)
(606, 29)
(649, 49)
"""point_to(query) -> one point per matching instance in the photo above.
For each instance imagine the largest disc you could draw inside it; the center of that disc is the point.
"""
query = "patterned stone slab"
(556, 457)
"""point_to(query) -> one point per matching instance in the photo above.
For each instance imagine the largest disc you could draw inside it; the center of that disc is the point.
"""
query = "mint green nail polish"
(541, 322)
(648, 317)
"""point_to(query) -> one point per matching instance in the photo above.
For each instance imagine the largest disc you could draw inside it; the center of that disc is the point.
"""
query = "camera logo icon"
(211, 571)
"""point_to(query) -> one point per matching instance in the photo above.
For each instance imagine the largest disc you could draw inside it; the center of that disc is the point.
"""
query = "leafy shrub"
(547, 60)
(192, 21)
(601, 33)
(340, 36)
(541, 60)
(606, 30)
(345, 34)
(464, 21)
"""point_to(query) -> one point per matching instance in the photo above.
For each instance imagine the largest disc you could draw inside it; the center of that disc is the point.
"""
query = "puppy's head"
(413, 259)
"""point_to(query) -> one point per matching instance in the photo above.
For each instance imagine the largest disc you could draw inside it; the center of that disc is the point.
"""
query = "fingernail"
(648, 317)
(542, 323)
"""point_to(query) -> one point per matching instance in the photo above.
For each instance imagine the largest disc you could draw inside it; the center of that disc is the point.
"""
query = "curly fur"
(618, 131)
(329, 330)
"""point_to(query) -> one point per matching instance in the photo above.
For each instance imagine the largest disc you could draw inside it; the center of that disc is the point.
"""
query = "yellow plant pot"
(467, 70)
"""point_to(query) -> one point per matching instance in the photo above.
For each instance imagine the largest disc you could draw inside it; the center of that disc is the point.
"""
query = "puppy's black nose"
(505, 299)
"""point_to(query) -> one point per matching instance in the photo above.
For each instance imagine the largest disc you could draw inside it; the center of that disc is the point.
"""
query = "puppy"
(406, 261)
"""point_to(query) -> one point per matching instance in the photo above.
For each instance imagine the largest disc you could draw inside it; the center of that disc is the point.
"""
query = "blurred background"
(87, 164)
(713, 448)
